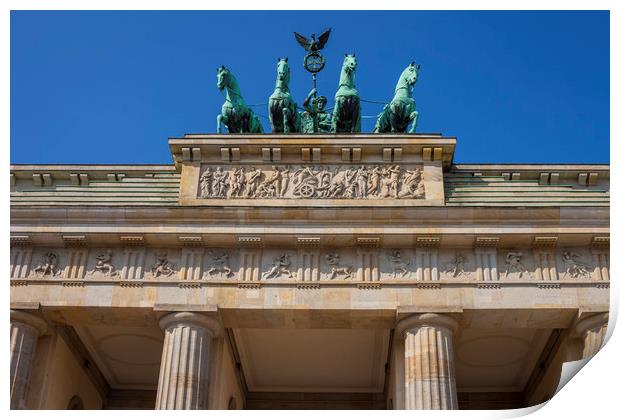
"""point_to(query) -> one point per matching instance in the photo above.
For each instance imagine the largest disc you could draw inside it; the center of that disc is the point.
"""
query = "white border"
(592, 395)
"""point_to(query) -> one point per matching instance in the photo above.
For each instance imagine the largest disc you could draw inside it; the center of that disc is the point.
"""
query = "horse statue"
(397, 115)
(347, 114)
(236, 116)
(283, 114)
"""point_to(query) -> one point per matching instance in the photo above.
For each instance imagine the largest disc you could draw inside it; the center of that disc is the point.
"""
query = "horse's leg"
(285, 123)
(358, 120)
(414, 121)
(377, 128)
(218, 128)
(392, 118)
(273, 127)
(296, 120)
(336, 115)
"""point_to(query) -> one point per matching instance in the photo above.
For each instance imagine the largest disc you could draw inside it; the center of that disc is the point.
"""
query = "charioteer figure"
(316, 119)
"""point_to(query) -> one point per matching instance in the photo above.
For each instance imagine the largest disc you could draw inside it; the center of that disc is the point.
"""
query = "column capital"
(426, 320)
(195, 319)
(591, 322)
(29, 319)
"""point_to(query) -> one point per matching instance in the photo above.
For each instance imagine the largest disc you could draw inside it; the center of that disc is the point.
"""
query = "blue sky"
(111, 87)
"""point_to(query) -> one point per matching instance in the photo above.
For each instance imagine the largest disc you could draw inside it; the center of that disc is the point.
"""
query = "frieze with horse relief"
(311, 182)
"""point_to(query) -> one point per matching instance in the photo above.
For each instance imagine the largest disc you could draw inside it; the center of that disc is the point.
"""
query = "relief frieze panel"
(200, 264)
(516, 264)
(576, 264)
(162, 264)
(457, 264)
(311, 182)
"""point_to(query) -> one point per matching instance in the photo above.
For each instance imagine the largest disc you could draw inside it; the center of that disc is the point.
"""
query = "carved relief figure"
(313, 182)
(574, 267)
(514, 265)
(391, 183)
(270, 186)
(48, 266)
(412, 184)
(205, 183)
(252, 180)
(284, 180)
(162, 266)
(237, 181)
(399, 265)
(333, 260)
(104, 264)
(375, 181)
(218, 183)
(220, 264)
(456, 267)
(362, 181)
(281, 265)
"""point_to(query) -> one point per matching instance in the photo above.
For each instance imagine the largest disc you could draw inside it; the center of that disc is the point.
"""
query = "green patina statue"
(236, 116)
(316, 119)
(347, 115)
(397, 115)
(283, 114)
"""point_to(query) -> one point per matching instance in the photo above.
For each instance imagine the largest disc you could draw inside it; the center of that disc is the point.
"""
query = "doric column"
(25, 331)
(184, 371)
(429, 362)
(592, 331)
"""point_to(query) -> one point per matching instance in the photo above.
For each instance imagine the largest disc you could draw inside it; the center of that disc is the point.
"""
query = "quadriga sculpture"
(347, 115)
(236, 116)
(397, 115)
(283, 114)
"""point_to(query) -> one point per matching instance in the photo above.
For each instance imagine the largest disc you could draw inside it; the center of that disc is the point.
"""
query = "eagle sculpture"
(314, 45)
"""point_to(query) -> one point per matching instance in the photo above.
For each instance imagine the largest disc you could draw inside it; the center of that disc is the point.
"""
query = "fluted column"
(592, 331)
(429, 362)
(25, 331)
(184, 371)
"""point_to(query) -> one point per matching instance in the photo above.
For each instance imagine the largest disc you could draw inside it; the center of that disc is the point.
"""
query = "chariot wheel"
(306, 190)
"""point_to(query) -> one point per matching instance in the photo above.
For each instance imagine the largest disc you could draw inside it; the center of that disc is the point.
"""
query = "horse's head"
(223, 75)
(284, 71)
(411, 73)
(350, 63)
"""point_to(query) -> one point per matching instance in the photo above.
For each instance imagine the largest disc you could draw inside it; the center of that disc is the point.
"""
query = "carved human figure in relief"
(220, 264)
(281, 265)
(514, 264)
(374, 187)
(48, 266)
(237, 181)
(270, 186)
(162, 266)
(350, 184)
(574, 267)
(412, 186)
(333, 260)
(218, 183)
(456, 267)
(205, 183)
(361, 178)
(252, 180)
(399, 265)
(391, 181)
(104, 264)
(284, 181)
